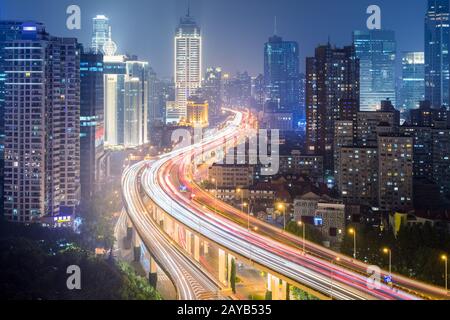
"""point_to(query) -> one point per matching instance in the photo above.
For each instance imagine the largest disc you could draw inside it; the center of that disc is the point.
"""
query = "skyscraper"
(281, 74)
(332, 78)
(42, 124)
(238, 90)
(126, 101)
(92, 127)
(212, 90)
(258, 92)
(136, 103)
(413, 80)
(100, 33)
(376, 51)
(9, 30)
(188, 62)
(437, 61)
(114, 88)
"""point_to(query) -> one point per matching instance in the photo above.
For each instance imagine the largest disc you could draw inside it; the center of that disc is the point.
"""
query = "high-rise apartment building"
(357, 177)
(238, 89)
(376, 51)
(188, 63)
(371, 123)
(332, 77)
(395, 155)
(437, 38)
(258, 92)
(9, 30)
(42, 124)
(212, 91)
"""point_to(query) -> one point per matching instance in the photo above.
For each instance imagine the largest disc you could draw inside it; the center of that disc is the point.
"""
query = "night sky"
(234, 31)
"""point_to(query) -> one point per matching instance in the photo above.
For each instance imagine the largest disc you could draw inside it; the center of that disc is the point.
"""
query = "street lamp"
(445, 259)
(353, 232)
(217, 191)
(246, 205)
(303, 225)
(283, 208)
(239, 191)
(389, 252)
(337, 259)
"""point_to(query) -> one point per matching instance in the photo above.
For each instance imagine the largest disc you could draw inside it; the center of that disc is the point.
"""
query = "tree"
(34, 261)
(311, 233)
(233, 276)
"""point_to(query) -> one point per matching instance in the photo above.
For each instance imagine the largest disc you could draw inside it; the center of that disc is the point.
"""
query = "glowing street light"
(389, 252)
(239, 191)
(444, 258)
(214, 180)
(282, 207)
(352, 231)
(303, 225)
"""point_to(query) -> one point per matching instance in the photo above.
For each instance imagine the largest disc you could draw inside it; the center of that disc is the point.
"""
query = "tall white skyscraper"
(126, 101)
(188, 63)
(100, 34)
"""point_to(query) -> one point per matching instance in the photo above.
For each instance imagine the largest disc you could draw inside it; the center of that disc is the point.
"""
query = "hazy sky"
(234, 31)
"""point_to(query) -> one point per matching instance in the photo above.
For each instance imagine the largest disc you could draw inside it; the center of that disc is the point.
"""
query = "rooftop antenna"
(275, 31)
(189, 8)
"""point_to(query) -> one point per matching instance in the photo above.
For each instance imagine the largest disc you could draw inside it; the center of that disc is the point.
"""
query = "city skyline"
(156, 20)
(278, 164)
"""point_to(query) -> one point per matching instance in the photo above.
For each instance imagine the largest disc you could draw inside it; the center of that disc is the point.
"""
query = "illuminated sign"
(62, 219)
(318, 221)
(29, 28)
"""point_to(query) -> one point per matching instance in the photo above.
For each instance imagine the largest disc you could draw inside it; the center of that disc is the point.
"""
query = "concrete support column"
(189, 242)
(205, 248)
(284, 290)
(275, 288)
(153, 265)
(269, 282)
(196, 248)
(222, 267)
(169, 223)
(136, 241)
(176, 233)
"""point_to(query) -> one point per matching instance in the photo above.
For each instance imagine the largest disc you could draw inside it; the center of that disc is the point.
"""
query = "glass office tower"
(436, 53)
(376, 50)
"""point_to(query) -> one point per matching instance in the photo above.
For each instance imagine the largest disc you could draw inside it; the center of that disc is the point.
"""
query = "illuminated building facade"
(413, 80)
(332, 77)
(126, 101)
(437, 38)
(197, 112)
(188, 63)
(100, 33)
(376, 51)
(395, 155)
(42, 144)
(92, 126)
(281, 74)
